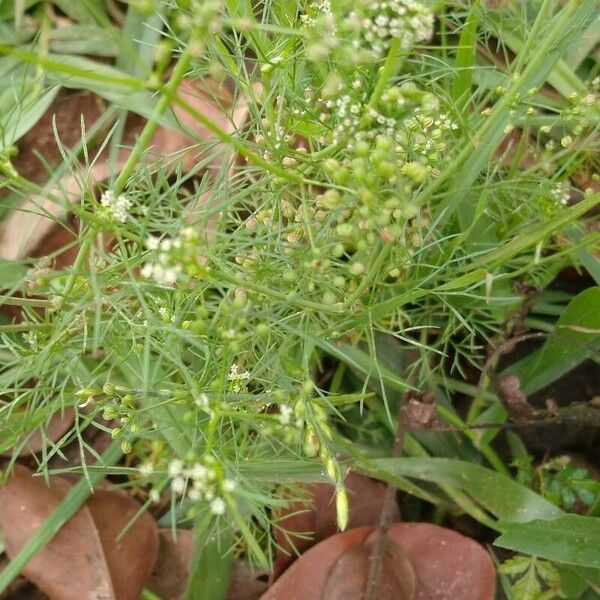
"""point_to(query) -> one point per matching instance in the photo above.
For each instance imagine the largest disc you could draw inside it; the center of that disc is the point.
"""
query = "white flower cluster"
(349, 110)
(318, 10)
(116, 206)
(237, 378)
(286, 413)
(200, 482)
(166, 269)
(406, 20)
(561, 193)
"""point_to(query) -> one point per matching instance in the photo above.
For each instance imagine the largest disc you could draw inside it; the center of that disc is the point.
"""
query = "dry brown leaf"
(25, 228)
(447, 565)
(348, 578)
(85, 559)
(304, 523)
(172, 568)
(58, 425)
(171, 571)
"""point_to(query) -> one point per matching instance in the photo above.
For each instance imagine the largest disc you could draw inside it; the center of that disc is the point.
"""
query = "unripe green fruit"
(416, 171)
(386, 169)
(362, 149)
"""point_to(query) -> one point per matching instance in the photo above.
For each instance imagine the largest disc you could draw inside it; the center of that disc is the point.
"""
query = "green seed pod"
(331, 165)
(357, 268)
(416, 171)
(311, 443)
(384, 142)
(386, 169)
(342, 508)
(366, 196)
(110, 413)
(341, 176)
(330, 199)
(362, 149)
(109, 388)
(338, 250)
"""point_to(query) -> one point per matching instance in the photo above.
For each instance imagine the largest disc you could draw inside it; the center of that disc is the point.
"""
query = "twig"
(385, 520)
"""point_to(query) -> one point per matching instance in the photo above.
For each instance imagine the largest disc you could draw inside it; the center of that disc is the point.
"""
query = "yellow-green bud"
(311, 443)
(416, 171)
(342, 508)
(109, 388)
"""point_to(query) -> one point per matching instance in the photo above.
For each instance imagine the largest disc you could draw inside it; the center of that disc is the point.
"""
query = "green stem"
(71, 503)
(390, 66)
(19, 327)
(236, 144)
(78, 264)
(168, 92)
(33, 302)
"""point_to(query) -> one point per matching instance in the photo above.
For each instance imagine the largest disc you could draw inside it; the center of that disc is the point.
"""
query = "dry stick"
(502, 349)
(385, 520)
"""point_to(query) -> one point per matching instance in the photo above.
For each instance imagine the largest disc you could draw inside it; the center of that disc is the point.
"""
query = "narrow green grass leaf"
(506, 499)
(570, 539)
(82, 39)
(364, 363)
(588, 260)
(584, 45)
(16, 123)
(11, 273)
(212, 561)
(468, 165)
(465, 58)
(575, 337)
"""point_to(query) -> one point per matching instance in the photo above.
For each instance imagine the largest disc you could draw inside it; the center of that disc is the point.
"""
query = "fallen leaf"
(172, 567)
(85, 559)
(348, 578)
(26, 227)
(171, 571)
(447, 565)
(304, 523)
(58, 425)
(246, 583)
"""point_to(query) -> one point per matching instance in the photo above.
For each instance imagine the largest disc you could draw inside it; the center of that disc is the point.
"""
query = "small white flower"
(194, 494)
(229, 485)
(202, 401)
(117, 206)
(235, 375)
(218, 506)
(199, 472)
(178, 485)
(175, 468)
(147, 270)
(170, 276)
(154, 495)
(285, 414)
(146, 469)
(152, 242)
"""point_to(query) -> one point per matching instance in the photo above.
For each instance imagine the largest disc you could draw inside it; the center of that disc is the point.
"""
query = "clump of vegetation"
(406, 178)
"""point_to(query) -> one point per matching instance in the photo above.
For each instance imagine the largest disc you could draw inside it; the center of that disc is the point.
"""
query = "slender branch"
(385, 521)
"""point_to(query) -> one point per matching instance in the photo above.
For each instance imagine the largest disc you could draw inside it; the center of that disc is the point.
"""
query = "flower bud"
(342, 508)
